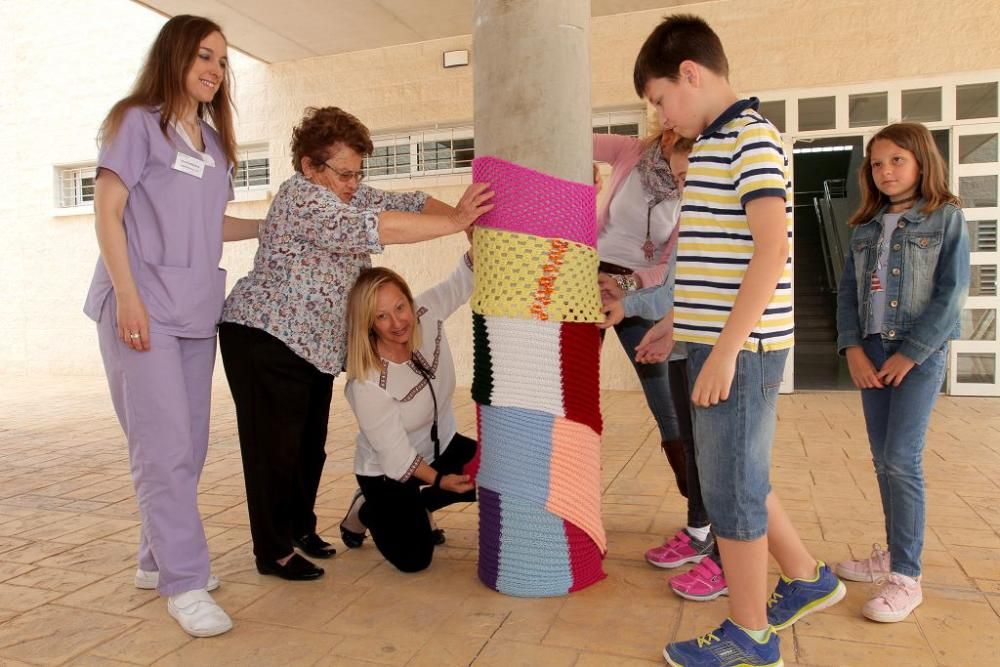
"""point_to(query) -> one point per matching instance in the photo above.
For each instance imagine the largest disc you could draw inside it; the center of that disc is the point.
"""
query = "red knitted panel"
(580, 350)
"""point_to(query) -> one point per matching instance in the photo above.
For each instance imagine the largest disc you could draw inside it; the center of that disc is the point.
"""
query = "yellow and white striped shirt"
(737, 159)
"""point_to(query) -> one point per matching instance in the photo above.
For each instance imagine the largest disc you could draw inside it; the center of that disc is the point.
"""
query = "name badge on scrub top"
(189, 165)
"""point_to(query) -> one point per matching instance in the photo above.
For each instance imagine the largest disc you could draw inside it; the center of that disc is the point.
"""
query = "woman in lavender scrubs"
(163, 181)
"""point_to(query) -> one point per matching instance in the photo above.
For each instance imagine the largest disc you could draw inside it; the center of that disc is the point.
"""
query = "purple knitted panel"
(489, 536)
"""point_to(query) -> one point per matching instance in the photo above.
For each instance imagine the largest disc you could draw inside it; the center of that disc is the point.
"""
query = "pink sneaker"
(680, 549)
(703, 582)
(894, 599)
(869, 569)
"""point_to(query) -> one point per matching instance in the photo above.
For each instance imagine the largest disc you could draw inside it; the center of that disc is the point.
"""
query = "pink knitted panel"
(531, 202)
(575, 478)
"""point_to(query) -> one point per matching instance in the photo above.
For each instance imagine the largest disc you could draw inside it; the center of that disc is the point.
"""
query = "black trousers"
(282, 412)
(680, 393)
(396, 512)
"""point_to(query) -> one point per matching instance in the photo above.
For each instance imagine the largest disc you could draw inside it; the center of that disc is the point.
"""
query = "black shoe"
(296, 569)
(351, 539)
(438, 536)
(314, 545)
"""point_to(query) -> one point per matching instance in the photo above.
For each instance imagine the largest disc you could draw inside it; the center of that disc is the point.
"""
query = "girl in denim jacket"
(904, 283)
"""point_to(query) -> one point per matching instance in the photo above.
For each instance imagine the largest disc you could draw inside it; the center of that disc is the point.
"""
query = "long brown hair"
(161, 82)
(362, 351)
(933, 186)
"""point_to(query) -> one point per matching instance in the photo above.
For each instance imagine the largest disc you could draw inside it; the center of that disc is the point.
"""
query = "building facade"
(829, 74)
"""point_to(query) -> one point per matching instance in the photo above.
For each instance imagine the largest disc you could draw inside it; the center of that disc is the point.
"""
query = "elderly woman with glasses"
(283, 337)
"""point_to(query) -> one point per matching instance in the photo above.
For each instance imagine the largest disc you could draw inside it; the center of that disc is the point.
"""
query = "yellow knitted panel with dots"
(531, 277)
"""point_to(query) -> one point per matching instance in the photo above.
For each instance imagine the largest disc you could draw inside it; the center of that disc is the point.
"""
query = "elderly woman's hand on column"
(472, 205)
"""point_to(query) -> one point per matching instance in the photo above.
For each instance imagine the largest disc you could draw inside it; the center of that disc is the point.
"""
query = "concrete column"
(539, 534)
(531, 73)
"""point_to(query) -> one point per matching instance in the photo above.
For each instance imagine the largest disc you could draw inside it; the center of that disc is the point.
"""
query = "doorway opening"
(827, 192)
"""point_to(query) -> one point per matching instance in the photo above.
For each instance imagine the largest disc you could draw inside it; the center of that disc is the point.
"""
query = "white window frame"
(257, 191)
(68, 188)
(411, 141)
(948, 84)
(414, 140)
(616, 117)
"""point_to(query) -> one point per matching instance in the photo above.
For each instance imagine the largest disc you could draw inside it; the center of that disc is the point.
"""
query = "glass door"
(976, 177)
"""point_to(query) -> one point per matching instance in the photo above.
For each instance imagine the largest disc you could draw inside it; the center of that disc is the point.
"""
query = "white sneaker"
(871, 569)
(148, 580)
(198, 614)
(893, 600)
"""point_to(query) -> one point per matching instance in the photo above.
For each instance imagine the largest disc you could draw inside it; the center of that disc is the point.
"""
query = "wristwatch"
(627, 283)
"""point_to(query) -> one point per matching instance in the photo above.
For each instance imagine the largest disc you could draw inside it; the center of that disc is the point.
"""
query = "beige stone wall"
(61, 68)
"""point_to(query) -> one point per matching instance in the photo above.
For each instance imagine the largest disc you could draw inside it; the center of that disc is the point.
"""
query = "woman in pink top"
(637, 230)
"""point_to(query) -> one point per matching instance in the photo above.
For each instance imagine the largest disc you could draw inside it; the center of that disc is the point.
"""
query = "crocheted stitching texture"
(526, 551)
(531, 202)
(536, 384)
(533, 277)
(539, 366)
(556, 464)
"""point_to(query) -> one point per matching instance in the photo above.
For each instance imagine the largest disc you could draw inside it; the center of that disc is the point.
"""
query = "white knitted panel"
(526, 364)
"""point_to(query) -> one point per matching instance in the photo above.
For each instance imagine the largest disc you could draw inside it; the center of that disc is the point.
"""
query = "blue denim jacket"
(926, 284)
(651, 303)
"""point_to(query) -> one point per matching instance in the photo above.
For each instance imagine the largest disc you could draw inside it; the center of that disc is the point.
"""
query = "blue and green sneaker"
(794, 598)
(729, 645)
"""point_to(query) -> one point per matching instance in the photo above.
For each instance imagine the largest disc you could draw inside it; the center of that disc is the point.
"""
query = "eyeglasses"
(346, 176)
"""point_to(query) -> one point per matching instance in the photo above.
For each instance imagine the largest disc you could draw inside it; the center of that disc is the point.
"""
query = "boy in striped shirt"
(733, 308)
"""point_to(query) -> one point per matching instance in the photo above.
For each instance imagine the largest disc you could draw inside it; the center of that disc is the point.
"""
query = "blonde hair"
(362, 341)
(933, 186)
(659, 136)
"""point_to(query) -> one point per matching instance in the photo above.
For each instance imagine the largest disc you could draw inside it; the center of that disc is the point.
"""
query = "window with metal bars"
(253, 170)
(76, 186)
(451, 150)
(426, 152)
(625, 123)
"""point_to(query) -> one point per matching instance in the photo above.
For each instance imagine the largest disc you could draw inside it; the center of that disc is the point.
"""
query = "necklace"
(648, 249)
(907, 200)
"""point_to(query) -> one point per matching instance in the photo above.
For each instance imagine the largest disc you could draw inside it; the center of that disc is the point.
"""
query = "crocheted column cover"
(536, 384)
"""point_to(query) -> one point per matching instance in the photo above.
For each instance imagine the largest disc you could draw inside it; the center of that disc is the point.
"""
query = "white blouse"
(394, 408)
(622, 239)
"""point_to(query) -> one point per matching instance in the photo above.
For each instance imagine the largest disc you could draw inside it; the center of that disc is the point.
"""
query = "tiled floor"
(68, 529)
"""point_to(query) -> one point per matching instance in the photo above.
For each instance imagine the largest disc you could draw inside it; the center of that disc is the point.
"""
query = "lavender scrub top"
(173, 225)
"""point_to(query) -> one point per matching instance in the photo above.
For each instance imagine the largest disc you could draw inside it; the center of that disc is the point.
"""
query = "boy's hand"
(614, 312)
(895, 369)
(863, 373)
(715, 379)
(656, 344)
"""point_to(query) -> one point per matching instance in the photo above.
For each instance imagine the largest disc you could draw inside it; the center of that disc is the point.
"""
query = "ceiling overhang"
(280, 31)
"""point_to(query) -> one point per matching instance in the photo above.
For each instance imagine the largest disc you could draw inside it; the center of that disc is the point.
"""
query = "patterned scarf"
(654, 173)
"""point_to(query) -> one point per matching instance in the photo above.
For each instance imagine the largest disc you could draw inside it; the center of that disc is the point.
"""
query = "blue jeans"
(732, 442)
(897, 419)
(654, 378)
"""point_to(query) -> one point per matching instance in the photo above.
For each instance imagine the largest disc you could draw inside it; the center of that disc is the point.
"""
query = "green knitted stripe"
(482, 364)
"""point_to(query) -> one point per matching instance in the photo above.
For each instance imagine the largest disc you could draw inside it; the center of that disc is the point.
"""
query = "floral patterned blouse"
(312, 248)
